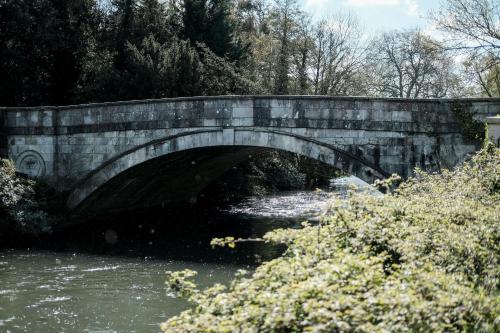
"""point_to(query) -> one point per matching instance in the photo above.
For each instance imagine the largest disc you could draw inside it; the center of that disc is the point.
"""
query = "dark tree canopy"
(78, 51)
(42, 44)
(210, 22)
(81, 51)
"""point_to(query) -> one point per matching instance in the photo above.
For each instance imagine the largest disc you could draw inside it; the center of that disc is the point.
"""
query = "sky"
(378, 15)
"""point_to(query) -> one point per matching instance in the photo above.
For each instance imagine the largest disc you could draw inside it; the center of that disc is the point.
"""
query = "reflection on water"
(81, 288)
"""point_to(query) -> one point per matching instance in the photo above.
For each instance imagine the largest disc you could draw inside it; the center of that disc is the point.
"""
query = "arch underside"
(177, 168)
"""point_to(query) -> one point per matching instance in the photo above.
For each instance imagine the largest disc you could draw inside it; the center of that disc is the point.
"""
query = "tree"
(409, 65)
(194, 20)
(485, 74)
(152, 19)
(106, 63)
(42, 46)
(122, 31)
(130, 28)
(472, 24)
(252, 17)
(222, 77)
(69, 42)
(473, 29)
(301, 54)
(284, 13)
(338, 55)
(220, 30)
(209, 22)
(253, 28)
(163, 70)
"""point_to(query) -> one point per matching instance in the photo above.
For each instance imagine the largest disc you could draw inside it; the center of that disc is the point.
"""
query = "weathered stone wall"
(65, 145)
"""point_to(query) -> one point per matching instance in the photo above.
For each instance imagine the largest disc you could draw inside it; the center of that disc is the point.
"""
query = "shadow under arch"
(237, 143)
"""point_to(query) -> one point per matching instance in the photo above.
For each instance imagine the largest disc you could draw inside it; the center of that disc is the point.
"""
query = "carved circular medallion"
(31, 164)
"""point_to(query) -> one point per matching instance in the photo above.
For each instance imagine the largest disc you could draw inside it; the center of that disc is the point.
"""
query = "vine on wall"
(472, 130)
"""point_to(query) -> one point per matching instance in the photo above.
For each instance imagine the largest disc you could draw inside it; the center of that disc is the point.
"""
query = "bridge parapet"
(415, 115)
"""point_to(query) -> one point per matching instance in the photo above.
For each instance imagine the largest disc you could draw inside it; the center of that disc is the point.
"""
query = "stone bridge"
(119, 155)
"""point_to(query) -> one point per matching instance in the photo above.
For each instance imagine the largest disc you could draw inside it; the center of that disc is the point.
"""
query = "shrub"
(423, 258)
(21, 209)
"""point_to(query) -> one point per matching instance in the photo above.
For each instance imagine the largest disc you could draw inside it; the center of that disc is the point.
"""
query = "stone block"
(228, 136)
(262, 102)
(284, 103)
(313, 113)
(381, 115)
(363, 105)
(262, 116)
(281, 112)
(281, 123)
(48, 149)
(242, 102)
(21, 120)
(47, 120)
(242, 112)
(17, 141)
(243, 122)
(219, 108)
(33, 118)
(402, 116)
(67, 149)
(242, 137)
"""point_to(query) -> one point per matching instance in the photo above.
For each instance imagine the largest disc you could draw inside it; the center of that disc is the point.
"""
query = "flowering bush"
(423, 258)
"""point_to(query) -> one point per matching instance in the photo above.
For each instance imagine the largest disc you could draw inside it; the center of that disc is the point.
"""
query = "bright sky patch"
(377, 15)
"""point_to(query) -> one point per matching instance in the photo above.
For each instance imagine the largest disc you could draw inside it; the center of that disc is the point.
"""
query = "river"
(113, 279)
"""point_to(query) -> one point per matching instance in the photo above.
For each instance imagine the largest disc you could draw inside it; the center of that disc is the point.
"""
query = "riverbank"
(423, 258)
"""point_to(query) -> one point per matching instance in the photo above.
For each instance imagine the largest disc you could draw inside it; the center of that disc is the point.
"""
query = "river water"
(112, 280)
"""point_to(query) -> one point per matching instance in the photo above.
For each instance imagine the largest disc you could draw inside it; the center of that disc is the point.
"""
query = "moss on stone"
(472, 130)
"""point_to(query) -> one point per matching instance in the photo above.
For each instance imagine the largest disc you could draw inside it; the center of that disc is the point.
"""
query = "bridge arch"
(206, 138)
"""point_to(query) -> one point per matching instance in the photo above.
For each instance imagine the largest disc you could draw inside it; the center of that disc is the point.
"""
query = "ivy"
(472, 130)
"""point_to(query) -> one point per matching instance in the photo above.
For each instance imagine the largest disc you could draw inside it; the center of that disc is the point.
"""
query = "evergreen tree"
(152, 19)
(22, 63)
(123, 31)
(163, 70)
(195, 20)
(42, 46)
(219, 28)
(209, 22)
(68, 42)
(221, 77)
(285, 13)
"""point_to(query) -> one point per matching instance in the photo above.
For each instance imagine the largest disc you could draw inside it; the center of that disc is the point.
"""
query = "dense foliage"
(24, 205)
(423, 258)
(61, 52)
(55, 52)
